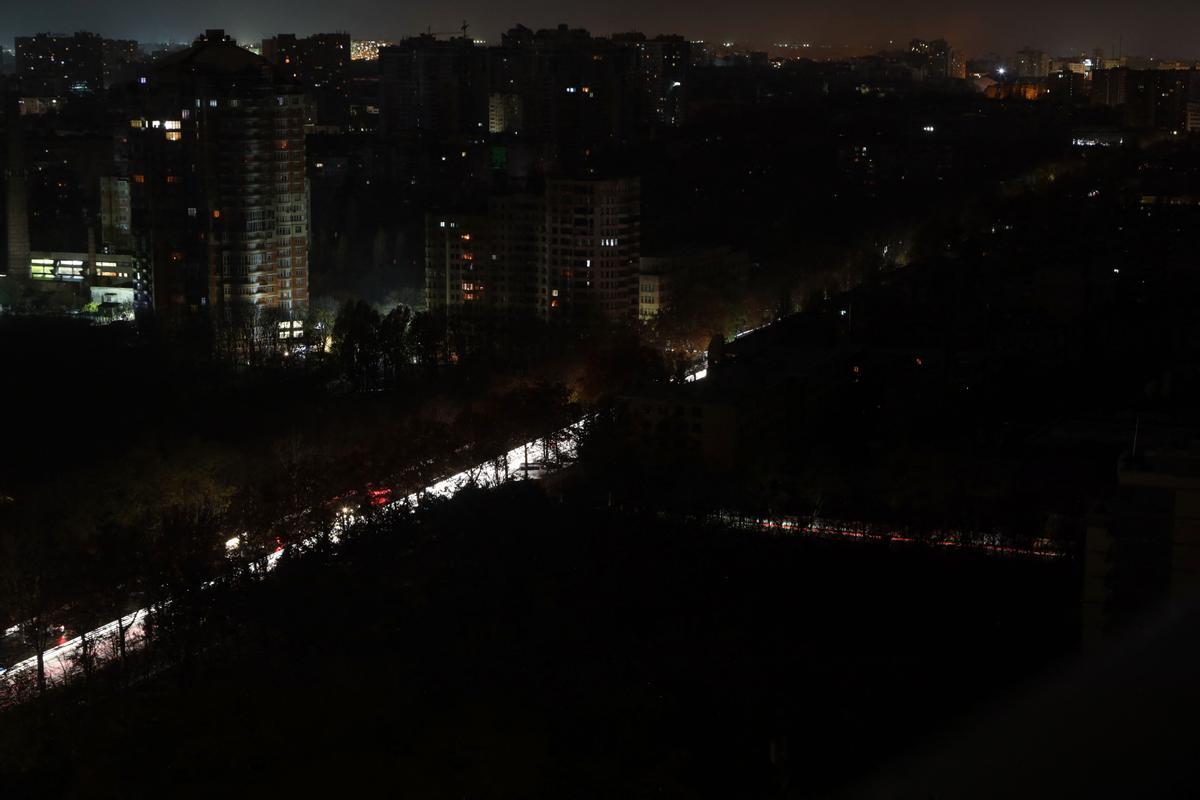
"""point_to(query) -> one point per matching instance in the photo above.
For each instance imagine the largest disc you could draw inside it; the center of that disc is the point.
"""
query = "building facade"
(322, 63)
(1032, 63)
(431, 84)
(593, 247)
(562, 256)
(110, 279)
(219, 192)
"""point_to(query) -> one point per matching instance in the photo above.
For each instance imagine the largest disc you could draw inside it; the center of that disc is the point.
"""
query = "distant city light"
(366, 49)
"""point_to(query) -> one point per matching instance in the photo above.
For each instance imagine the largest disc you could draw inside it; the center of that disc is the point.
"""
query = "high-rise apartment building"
(1148, 98)
(663, 64)
(322, 63)
(119, 57)
(936, 58)
(52, 65)
(505, 112)
(457, 255)
(15, 195)
(431, 84)
(518, 256)
(561, 256)
(593, 246)
(116, 213)
(577, 91)
(1032, 63)
(488, 267)
(219, 193)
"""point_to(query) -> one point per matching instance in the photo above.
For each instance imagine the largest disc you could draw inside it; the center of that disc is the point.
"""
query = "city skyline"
(752, 400)
(1154, 29)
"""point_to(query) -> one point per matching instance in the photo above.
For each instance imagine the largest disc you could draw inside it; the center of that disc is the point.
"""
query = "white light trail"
(527, 461)
(988, 543)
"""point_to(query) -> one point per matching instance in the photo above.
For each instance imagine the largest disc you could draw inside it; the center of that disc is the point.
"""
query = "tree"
(31, 576)
(394, 342)
(184, 553)
(356, 342)
(428, 337)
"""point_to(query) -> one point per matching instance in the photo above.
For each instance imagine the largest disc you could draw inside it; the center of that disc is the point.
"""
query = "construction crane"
(461, 30)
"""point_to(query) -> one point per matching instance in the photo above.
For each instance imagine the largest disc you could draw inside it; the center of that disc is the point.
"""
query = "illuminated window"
(135, 123)
(216, 213)
(139, 178)
(172, 179)
(174, 136)
(173, 125)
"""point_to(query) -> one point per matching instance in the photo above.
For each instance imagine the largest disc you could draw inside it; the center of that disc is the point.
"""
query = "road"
(528, 461)
(986, 542)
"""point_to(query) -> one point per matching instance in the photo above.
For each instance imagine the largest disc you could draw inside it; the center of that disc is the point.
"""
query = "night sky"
(1148, 27)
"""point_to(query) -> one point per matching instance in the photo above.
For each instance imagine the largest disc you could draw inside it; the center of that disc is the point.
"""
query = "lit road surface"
(524, 462)
(994, 544)
(60, 660)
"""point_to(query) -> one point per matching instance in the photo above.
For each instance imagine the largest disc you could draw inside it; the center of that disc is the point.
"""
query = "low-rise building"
(107, 279)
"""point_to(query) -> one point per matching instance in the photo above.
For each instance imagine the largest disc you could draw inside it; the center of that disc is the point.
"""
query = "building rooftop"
(213, 55)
